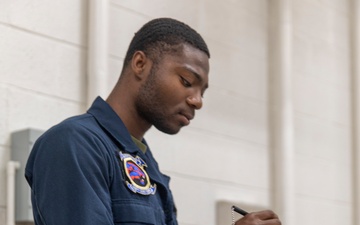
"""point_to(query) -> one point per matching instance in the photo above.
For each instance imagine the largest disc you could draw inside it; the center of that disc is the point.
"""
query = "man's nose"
(195, 101)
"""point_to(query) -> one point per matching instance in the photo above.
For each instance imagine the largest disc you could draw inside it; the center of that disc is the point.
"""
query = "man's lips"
(187, 117)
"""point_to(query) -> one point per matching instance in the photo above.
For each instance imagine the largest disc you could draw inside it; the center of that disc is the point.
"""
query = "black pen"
(238, 210)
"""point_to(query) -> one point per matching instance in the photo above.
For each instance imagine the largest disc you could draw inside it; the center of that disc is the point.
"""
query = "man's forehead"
(191, 56)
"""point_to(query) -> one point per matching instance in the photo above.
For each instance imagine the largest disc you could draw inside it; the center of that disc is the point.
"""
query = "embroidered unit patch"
(137, 180)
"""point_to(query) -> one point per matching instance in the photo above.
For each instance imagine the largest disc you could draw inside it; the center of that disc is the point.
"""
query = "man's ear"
(139, 64)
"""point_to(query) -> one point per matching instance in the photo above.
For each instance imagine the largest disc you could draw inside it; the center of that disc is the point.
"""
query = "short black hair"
(162, 35)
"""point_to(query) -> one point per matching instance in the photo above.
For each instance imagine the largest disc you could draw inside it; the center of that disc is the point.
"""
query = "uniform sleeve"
(69, 173)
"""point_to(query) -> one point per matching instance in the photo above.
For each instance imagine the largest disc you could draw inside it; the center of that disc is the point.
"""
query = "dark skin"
(166, 96)
(266, 217)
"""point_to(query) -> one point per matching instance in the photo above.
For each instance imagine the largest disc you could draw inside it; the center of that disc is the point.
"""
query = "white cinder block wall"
(322, 96)
(224, 155)
(42, 68)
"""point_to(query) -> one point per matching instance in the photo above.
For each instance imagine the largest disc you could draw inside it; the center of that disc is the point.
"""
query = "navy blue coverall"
(77, 178)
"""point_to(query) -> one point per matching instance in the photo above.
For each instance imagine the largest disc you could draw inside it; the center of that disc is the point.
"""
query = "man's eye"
(185, 82)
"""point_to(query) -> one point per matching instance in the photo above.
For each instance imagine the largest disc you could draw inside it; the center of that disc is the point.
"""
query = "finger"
(271, 222)
(251, 220)
(266, 215)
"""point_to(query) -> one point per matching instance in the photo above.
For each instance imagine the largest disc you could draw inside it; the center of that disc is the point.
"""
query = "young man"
(96, 168)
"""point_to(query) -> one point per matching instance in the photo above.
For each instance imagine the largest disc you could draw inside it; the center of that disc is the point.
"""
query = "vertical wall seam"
(281, 122)
(355, 105)
(97, 63)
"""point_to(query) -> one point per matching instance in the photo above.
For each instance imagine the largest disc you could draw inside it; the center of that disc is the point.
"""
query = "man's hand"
(266, 217)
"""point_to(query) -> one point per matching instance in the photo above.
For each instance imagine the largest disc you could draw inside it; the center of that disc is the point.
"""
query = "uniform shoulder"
(75, 137)
(73, 124)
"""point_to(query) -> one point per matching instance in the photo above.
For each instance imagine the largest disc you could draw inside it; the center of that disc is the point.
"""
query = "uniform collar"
(110, 121)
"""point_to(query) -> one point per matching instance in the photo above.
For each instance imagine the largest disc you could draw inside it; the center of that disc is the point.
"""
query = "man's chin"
(169, 130)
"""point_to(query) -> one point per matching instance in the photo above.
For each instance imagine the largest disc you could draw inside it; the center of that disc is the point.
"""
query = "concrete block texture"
(322, 139)
(197, 199)
(326, 61)
(322, 211)
(240, 28)
(206, 156)
(26, 109)
(322, 109)
(323, 179)
(38, 111)
(122, 31)
(42, 65)
(251, 70)
(187, 10)
(322, 100)
(64, 20)
(245, 119)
